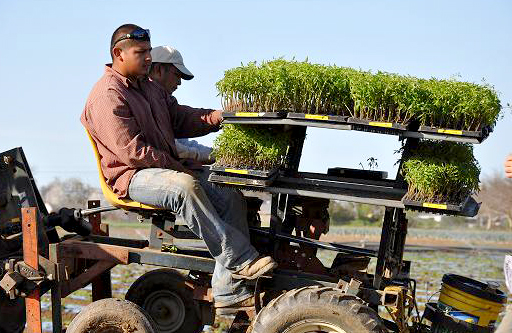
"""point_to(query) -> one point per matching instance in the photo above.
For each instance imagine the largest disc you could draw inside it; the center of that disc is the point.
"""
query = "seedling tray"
(482, 134)
(434, 206)
(254, 115)
(244, 172)
(377, 124)
(224, 179)
(317, 117)
(346, 123)
(469, 207)
(357, 173)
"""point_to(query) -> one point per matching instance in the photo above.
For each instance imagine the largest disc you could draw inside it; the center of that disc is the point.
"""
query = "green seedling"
(281, 85)
(440, 172)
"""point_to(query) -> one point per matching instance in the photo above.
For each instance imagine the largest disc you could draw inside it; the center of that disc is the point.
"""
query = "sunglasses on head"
(137, 34)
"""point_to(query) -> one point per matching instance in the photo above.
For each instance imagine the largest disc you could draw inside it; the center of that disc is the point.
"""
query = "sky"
(53, 52)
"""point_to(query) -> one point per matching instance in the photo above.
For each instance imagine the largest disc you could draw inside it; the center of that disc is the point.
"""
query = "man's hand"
(217, 116)
(508, 166)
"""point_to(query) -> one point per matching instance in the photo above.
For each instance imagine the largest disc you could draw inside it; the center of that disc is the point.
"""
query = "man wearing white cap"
(168, 69)
(230, 292)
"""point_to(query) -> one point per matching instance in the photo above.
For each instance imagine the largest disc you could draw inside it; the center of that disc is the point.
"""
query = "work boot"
(244, 305)
(256, 268)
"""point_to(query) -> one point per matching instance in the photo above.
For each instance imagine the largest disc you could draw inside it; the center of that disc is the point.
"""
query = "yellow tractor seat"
(107, 191)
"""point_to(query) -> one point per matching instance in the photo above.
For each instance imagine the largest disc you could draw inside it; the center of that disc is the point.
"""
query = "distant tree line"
(496, 197)
(73, 193)
(495, 211)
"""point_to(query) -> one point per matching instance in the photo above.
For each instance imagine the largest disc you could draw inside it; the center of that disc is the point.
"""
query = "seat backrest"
(107, 191)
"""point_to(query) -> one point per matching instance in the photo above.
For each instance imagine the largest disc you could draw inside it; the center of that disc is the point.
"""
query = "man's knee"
(187, 183)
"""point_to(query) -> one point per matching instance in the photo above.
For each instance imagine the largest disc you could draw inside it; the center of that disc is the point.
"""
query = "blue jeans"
(218, 215)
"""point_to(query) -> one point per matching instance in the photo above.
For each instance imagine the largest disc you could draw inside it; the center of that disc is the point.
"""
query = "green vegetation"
(251, 147)
(439, 172)
(281, 85)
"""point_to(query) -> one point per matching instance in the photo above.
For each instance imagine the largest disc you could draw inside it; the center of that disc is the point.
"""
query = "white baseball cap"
(168, 55)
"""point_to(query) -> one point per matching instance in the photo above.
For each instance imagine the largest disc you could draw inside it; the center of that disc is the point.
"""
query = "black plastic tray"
(474, 134)
(240, 181)
(435, 206)
(355, 124)
(254, 115)
(357, 173)
(378, 124)
(244, 172)
(318, 117)
(469, 207)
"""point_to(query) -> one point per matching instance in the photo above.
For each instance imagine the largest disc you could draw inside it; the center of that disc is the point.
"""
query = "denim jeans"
(218, 215)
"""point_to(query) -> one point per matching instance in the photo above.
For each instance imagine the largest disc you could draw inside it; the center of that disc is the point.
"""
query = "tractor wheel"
(317, 310)
(168, 300)
(112, 315)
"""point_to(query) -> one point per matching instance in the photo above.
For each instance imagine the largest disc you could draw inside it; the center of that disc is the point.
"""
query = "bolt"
(7, 159)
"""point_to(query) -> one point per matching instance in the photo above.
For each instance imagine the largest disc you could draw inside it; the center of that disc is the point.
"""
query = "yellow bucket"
(470, 300)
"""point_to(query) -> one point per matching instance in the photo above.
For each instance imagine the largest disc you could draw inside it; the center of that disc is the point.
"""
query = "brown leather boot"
(244, 305)
(256, 268)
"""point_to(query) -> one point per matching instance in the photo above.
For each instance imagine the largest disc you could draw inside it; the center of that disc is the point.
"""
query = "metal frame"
(99, 253)
(350, 127)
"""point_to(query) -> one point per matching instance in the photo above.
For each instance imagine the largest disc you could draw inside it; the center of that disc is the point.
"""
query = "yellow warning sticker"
(247, 114)
(15, 220)
(449, 131)
(380, 124)
(234, 183)
(433, 205)
(316, 117)
(240, 172)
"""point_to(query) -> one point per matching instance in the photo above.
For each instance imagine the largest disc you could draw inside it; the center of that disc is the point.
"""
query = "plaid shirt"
(134, 125)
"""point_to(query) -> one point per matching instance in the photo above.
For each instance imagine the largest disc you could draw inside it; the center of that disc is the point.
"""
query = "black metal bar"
(338, 184)
(372, 182)
(325, 192)
(56, 309)
(295, 149)
(384, 241)
(318, 244)
(55, 293)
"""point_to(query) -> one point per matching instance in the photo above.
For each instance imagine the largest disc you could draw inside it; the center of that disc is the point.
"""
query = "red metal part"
(77, 249)
(31, 258)
(102, 284)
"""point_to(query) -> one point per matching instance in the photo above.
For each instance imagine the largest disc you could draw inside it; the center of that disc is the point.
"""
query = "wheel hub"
(167, 310)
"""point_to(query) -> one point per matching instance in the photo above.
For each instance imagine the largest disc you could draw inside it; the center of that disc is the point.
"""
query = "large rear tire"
(169, 301)
(111, 315)
(317, 309)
